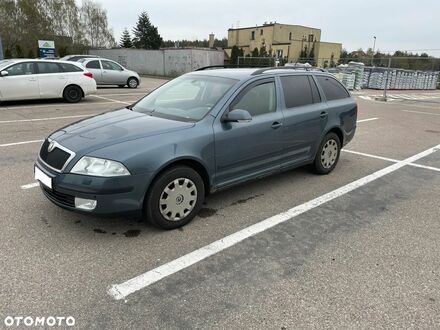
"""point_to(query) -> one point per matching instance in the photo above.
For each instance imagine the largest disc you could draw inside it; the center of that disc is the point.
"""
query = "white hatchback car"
(25, 79)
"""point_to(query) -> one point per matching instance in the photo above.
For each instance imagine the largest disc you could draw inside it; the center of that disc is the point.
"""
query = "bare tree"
(95, 26)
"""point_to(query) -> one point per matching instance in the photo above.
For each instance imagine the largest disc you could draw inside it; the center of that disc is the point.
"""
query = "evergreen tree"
(255, 52)
(126, 39)
(145, 34)
(235, 52)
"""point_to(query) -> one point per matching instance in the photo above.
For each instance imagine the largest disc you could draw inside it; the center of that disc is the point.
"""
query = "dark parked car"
(204, 131)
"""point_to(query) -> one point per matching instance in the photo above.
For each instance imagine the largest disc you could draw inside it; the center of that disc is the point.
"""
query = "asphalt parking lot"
(358, 248)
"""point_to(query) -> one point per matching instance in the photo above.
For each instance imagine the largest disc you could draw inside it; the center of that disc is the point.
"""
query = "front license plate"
(43, 178)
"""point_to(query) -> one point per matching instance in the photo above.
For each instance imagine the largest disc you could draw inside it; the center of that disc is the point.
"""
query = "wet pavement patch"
(206, 212)
(244, 200)
(99, 231)
(132, 233)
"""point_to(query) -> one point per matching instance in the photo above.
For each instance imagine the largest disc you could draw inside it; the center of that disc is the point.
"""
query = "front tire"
(174, 198)
(132, 82)
(328, 154)
(72, 94)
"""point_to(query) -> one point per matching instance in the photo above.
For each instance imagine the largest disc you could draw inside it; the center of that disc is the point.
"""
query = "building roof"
(272, 24)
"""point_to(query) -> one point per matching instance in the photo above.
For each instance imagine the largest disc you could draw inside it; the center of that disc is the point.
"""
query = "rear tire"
(132, 82)
(72, 94)
(327, 155)
(174, 198)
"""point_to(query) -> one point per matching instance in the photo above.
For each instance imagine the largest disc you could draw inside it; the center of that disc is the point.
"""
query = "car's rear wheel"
(132, 82)
(174, 198)
(328, 154)
(72, 94)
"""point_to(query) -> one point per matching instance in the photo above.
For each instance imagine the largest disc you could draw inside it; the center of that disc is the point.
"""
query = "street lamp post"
(374, 46)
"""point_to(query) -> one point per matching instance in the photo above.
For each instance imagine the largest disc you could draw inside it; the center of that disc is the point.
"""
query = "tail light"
(88, 74)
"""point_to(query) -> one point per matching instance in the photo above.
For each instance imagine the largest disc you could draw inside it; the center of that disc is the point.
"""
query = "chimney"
(211, 40)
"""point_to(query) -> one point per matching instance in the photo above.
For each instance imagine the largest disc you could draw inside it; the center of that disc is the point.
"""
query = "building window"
(311, 37)
(261, 32)
(290, 35)
(253, 35)
(279, 53)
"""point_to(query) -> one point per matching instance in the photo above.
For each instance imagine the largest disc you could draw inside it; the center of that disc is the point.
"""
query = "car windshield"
(189, 97)
(4, 63)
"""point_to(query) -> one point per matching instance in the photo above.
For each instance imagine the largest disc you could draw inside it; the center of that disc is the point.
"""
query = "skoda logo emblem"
(51, 146)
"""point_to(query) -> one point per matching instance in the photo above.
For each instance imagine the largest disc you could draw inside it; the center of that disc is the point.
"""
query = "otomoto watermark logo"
(39, 321)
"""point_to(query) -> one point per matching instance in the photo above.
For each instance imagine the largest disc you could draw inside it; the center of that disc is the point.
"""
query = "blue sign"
(46, 48)
(46, 52)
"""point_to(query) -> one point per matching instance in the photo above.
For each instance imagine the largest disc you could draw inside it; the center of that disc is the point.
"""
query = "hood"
(111, 128)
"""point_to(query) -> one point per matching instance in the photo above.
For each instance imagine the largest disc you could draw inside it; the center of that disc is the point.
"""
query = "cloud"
(397, 24)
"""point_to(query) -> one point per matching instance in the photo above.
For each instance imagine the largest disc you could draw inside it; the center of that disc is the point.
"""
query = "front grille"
(55, 158)
(58, 197)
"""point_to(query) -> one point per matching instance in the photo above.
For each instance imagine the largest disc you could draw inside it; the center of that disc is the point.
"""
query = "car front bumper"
(117, 195)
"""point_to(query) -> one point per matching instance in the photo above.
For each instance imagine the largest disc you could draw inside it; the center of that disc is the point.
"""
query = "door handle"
(276, 125)
(32, 79)
(323, 114)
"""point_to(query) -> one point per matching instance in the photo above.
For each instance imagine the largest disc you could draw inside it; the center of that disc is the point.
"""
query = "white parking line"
(17, 143)
(368, 119)
(30, 185)
(422, 112)
(44, 119)
(127, 94)
(108, 99)
(392, 160)
(120, 291)
(53, 105)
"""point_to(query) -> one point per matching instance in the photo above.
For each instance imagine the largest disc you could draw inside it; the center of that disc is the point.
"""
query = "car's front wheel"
(328, 154)
(72, 94)
(174, 198)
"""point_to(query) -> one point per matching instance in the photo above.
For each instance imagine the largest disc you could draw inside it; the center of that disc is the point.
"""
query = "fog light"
(85, 204)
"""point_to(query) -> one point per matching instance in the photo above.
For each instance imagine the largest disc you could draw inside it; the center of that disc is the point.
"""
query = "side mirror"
(237, 116)
(4, 73)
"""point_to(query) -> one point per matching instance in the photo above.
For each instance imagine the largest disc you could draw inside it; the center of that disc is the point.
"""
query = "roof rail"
(262, 70)
(227, 66)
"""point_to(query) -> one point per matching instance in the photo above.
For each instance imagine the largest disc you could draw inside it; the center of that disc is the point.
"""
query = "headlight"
(99, 167)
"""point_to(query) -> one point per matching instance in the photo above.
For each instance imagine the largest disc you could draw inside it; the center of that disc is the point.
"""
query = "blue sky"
(406, 25)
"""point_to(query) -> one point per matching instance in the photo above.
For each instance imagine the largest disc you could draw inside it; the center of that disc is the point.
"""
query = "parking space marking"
(127, 94)
(392, 160)
(53, 105)
(368, 119)
(30, 185)
(120, 291)
(44, 119)
(422, 112)
(108, 99)
(18, 143)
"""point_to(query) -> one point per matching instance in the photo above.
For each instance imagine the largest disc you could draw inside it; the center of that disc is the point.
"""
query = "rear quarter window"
(333, 89)
(70, 67)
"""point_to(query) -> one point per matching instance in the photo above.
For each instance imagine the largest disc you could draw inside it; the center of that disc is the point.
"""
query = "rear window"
(44, 67)
(298, 91)
(70, 67)
(332, 88)
(93, 65)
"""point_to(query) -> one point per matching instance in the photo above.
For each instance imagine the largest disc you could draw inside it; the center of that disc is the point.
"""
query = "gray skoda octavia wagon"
(206, 130)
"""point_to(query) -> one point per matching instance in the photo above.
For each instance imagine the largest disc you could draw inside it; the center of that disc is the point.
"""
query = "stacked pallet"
(399, 79)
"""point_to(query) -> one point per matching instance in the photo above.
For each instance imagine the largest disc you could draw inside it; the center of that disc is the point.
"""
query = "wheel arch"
(191, 162)
(75, 85)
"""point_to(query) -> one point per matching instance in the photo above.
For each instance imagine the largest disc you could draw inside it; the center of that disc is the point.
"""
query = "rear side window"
(299, 91)
(332, 88)
(70, 67)
(93, 65)
(48, 67)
